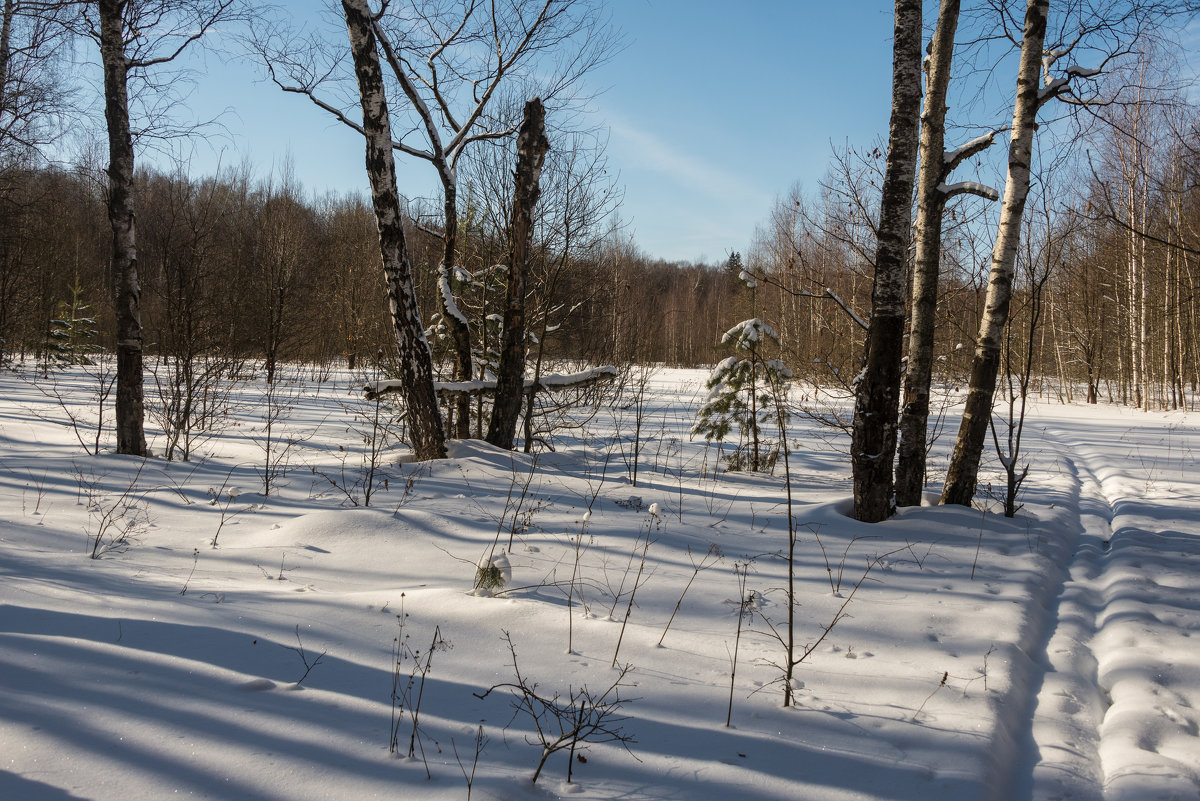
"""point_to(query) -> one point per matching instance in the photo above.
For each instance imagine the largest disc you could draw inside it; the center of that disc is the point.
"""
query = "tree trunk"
(456, 323)
(963, 473)
(931, 204)
(416, 364)
(130, 407)
(877, 398)
(510, 379)
(6, 19)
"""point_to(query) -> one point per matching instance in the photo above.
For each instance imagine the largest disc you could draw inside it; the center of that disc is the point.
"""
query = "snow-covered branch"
(1052, 89)
(969, 188)
(448, 302)
(829, 293)
(952, 158)
(554, 382)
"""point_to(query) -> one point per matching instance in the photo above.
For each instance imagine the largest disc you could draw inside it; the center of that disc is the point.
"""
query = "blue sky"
(713, 110)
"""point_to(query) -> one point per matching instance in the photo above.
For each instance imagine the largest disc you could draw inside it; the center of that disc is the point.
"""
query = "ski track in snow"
(1116, 714)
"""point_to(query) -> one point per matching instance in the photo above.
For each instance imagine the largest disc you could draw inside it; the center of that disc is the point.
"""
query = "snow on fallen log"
(554, 382)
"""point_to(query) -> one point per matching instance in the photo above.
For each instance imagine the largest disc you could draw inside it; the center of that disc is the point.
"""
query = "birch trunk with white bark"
(130, 403)
(416, 364)
(963, 473)
(877, 397)
(931, 205)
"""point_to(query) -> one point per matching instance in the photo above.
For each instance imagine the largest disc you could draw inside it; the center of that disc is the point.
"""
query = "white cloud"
(683, 206)
(653, 152)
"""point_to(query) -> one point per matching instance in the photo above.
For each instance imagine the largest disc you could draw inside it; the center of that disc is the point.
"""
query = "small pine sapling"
(744, 394)
(493, 574)
(71, 335)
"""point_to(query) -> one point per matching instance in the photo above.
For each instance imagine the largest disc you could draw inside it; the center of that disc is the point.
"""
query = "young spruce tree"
(744, 392)
(71, 335)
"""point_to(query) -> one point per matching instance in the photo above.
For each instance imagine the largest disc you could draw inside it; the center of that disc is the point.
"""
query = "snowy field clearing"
(1052, 656)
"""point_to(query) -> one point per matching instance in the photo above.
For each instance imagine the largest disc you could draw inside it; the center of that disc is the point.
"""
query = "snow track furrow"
(1116, 717)
(1065, 728)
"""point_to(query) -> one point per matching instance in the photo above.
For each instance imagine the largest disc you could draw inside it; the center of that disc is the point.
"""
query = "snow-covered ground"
(1055, 655)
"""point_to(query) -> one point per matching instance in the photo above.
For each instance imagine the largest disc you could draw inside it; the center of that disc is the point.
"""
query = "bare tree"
(932, 194)
(578, 199)
(964, 465)
(33, 96)
(532, 145)
(1036, 86)
(284, 254)
(877, 397)
(134, 38)
(451, 60)
(416, 364)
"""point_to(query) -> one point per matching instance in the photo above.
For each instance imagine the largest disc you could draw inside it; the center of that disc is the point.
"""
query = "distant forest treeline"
(249, 269)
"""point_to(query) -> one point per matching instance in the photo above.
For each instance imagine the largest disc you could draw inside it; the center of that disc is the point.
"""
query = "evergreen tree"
(746, 392)
(71, 335)
(733, 266)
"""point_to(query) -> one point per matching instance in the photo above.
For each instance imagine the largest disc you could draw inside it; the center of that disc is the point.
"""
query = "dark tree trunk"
(460, 332)
(416, 364)
(877, 398)
(130, 407)
(963, 474)
(510, 379)
(931, 204)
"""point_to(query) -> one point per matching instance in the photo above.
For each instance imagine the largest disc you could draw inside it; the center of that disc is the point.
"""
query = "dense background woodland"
(241, 270)
(237, 268)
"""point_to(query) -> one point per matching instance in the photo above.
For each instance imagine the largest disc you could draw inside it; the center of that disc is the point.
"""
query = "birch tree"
(33, 95)
(1031, 95)
(877, 396)
(134, 38)
(932, 195)
(964, 464)
(416, 364)
(1105, 33)
(452, 62)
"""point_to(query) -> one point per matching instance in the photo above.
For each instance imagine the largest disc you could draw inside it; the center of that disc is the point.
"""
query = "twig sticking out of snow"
(566, 724)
